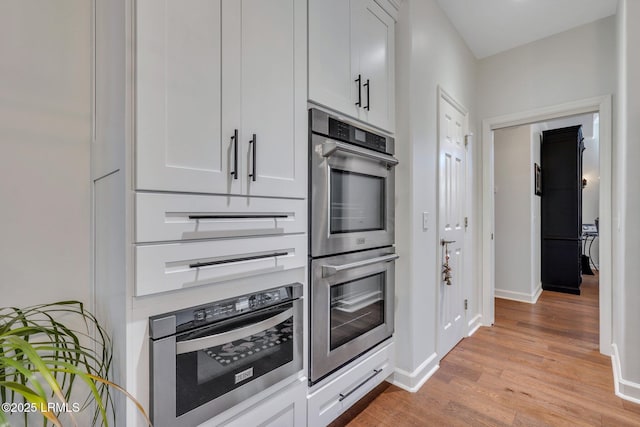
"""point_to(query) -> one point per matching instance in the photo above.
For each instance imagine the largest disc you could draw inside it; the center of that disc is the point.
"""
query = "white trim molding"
(474, 325)
(627, 390)
(413, 381)
(519, 296)
(601, 105)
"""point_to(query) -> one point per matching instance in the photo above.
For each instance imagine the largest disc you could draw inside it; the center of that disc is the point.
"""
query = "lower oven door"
(351, 307)
(200, 373)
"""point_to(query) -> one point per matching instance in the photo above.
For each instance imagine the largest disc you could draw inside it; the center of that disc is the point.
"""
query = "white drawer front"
(330, 401)
(286, 408)
(172, 266)
(168, 217)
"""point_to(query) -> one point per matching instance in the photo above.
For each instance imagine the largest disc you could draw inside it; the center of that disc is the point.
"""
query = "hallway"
(538, 365)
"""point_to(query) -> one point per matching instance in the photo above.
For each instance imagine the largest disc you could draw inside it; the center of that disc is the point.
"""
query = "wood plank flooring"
(539, 365)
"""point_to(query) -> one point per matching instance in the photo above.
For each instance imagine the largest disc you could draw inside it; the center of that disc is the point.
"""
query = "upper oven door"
(352, 197)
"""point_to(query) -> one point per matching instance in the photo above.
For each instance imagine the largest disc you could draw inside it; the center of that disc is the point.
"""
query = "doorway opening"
(520, 236)
(600, 106)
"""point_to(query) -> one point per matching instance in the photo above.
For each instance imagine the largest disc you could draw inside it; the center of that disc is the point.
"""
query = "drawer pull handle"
(238, 216)
(369, 378)
(229, 261)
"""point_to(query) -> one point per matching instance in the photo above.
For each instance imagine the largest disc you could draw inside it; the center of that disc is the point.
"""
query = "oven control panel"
(234, 306)
(349, 133)
(341, 129)
(166, 324)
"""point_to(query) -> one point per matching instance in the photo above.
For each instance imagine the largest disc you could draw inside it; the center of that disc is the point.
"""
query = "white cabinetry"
(351, 59)
(211, 74)
(287, 408)
(187, 85)
(349, 385)
(162, 217)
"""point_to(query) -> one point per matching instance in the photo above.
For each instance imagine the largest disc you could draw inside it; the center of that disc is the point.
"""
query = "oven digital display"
(242, 304)
(360, 136)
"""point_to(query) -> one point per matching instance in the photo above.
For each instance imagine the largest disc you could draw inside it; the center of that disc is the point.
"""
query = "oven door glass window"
(357, 202)
(357, 306)
(217, 359)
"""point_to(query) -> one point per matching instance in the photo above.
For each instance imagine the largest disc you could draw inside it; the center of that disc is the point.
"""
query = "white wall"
(45, 98)
(573, 65)
(626, 297)
(429, 52)
(514, 200)
(45, 63)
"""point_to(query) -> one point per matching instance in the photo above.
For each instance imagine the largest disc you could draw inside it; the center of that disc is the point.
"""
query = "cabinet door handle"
(252, 175)
(366, 107)
(359, 81)
(234, 138)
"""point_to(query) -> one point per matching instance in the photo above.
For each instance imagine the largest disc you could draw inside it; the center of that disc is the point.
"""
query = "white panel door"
(331, 77)
(181, 142)
(273, 97)
(373, 31)
(452, 202)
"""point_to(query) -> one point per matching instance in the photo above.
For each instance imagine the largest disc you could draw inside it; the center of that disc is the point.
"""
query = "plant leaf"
(126, 393)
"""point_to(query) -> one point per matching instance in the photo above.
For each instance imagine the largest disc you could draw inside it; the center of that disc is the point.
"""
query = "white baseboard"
(412, 381)
(627, 390)
(519, 296)
(474, 325)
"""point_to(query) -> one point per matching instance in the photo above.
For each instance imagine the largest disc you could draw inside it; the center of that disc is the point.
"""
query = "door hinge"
(466, 222)
(467, 140)
(466, 304)
(491, 236)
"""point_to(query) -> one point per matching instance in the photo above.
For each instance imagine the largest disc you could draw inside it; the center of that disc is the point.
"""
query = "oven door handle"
(330, 270)
(232, 335)
(330, 147)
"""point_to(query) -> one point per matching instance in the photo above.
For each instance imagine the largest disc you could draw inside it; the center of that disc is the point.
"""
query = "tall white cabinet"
(220, 91)
(352, 59)
(199, 152)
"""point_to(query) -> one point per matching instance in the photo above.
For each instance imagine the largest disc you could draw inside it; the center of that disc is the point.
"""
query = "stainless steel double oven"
(208, 358)
(351, 220)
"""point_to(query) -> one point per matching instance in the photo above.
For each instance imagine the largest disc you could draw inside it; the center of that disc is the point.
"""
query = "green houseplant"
(46, 350)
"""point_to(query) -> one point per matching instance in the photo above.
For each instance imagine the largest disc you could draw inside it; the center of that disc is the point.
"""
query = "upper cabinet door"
(182, 143)
(373, 32)
(351, 59)
(273, 97)
(331, 72)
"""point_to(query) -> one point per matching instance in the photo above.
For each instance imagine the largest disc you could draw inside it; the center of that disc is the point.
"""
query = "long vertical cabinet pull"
(366, 107)
(234, 138)
(252, 175)
(359, 81)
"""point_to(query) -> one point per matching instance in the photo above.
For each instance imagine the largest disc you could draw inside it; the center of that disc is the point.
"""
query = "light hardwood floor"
(539, 365)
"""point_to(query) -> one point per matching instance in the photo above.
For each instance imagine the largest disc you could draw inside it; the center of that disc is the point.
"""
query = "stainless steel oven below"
(351, 309)
(352, 175)
(208, 358)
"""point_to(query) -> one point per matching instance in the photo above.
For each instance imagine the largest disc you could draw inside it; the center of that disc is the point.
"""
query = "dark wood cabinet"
(561, 216)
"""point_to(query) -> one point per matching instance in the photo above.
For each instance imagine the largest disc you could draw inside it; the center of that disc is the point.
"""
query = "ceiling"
(492, 26)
